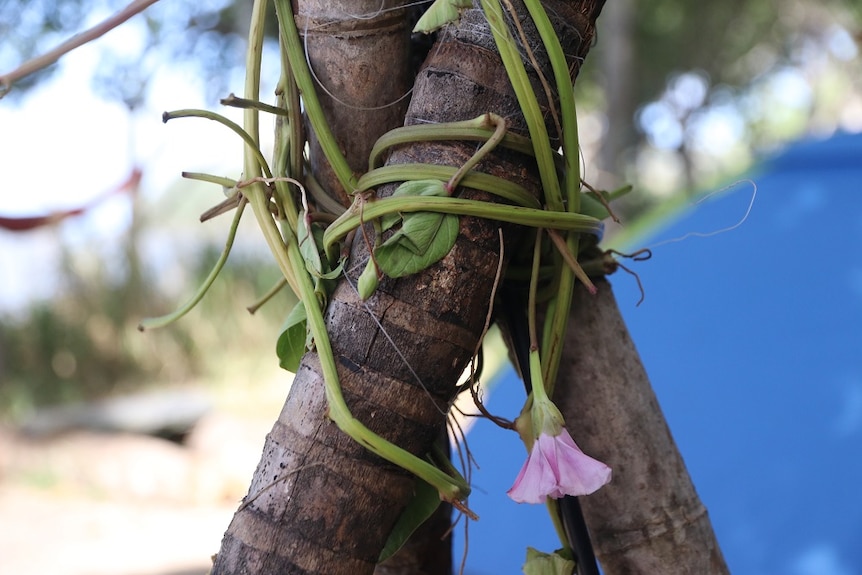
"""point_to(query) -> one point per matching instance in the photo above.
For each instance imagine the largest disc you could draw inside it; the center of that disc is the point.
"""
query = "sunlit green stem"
(527, 100)
(253, 162)
(289, 143)
(451, 489)
(226, 183)
(155, 322)
(571, 261)
(279, 285)
(468, 130)
(236, 102)
(560, 316)
(250, 139)
(486, 148)
(324, 201)
(293, 267)
(457, 206)
(299, 67)
(486, 182)
(534, 287)
(566, 96)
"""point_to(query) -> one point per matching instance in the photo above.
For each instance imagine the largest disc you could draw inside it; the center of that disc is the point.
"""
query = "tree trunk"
(319, 502)
(649, 519)
(362, 67)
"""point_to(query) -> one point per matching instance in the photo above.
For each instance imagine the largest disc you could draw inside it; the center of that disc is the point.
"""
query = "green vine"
(307, 245)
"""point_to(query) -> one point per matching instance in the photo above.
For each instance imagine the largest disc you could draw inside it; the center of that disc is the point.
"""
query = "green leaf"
(412, 188)
(556, 563)
(310, 238)
(308, 245)
(440, 13)
(292, 342)
(424, 238)
(592, 206)
(425, 501)
(368, 280)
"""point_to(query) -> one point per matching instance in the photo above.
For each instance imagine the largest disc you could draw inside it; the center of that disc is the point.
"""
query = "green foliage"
(424, 237)
(714, 37)
(440, 13)
(557, 563)
(310, 237)
(76, 348)
(84, 343)
(293, 341)
(368, 280)
(422, 505)
(208, 35)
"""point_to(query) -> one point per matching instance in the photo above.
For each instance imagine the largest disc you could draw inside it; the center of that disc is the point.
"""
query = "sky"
(63, 146)
(75, 145)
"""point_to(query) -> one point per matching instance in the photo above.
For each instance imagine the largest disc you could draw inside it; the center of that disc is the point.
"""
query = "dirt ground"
(88, 503)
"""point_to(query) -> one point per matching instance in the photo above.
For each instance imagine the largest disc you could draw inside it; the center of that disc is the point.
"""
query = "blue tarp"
(753, 342)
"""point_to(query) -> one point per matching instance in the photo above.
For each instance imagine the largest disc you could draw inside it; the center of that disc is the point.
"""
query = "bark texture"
(319, 502)
(358, 51)
(650, 518)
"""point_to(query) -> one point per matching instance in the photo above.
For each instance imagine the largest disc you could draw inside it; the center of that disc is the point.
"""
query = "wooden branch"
(650, 518)
(76, 41)
(358, 53)
(320, 502)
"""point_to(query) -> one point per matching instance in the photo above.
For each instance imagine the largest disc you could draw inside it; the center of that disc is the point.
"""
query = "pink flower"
(558, 467)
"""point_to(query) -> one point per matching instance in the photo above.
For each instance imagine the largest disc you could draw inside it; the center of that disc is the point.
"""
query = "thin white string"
(326, 90)
(395, 347)
(721, 230)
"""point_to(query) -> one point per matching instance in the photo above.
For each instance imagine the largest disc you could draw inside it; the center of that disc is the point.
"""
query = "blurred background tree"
(676, 97)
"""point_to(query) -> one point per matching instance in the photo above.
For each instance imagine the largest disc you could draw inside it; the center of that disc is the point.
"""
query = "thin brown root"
(462, 508)
(598, 195)
(571, 261)
(488, 317)
(497, 420)
(222, 207)
(637, 279)
(640, 255)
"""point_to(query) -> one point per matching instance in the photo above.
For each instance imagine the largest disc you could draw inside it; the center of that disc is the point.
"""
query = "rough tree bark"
(358, 50)
(318, 502)
(360, 53)
(649, 519)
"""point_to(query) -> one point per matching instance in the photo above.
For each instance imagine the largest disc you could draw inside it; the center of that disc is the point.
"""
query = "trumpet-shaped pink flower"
(557, 467)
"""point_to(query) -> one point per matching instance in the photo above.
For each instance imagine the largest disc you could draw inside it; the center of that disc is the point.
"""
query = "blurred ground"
(94, 503)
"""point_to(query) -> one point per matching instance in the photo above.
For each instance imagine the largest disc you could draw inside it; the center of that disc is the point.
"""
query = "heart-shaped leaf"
(308, 245)
(424, 238)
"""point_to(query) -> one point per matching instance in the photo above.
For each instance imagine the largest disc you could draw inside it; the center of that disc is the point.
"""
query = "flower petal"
(579, 474)
(557, 467)
(534, 481)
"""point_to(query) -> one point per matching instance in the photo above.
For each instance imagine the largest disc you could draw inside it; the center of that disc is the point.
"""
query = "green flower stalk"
(556, 465)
